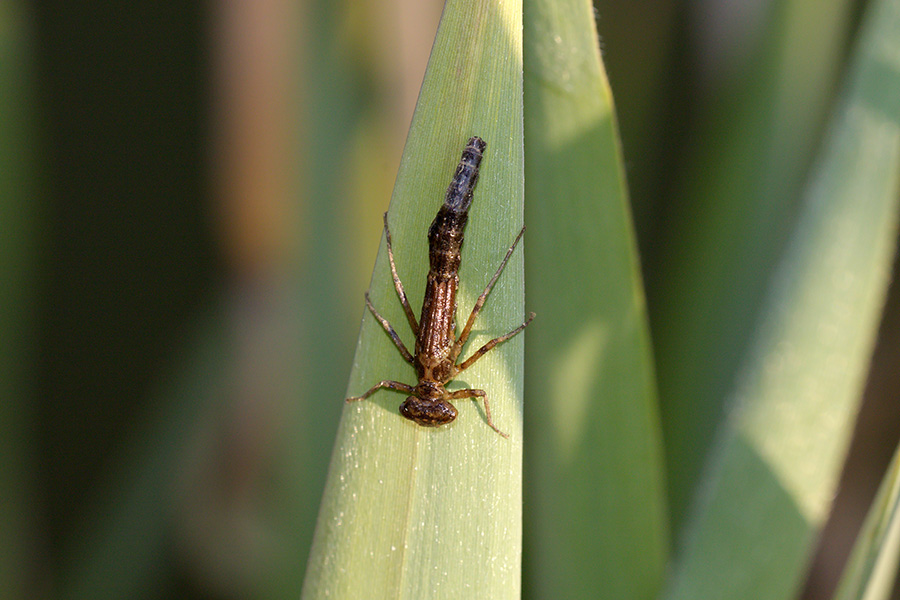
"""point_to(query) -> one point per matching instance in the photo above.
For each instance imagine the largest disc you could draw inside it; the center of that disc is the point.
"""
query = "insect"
(437, 348)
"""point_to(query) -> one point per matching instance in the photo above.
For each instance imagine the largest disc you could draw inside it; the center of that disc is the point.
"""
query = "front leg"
(391, 385)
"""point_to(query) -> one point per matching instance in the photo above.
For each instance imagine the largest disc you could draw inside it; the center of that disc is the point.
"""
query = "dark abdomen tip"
(459, 194)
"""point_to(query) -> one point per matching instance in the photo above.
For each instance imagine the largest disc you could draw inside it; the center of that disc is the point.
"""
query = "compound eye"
(430, 413)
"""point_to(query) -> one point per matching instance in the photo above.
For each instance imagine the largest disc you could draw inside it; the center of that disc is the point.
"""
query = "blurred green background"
(190, 207)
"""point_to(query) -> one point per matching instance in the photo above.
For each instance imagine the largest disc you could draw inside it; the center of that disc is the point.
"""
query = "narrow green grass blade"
(770, 487)
(733, 211)
(17, 261)
(596, 495)
(410, 512)
(872, 568)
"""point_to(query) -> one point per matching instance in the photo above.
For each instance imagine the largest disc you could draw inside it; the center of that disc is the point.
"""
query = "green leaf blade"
(408, 511)
(735, 203)
(772, 479)
(596, 497)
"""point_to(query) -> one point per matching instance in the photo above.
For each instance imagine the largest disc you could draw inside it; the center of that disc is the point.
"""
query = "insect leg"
(398, 285)
(390, 331)
(457, 347)
(391, 385)
(470, 393)
(481, 351)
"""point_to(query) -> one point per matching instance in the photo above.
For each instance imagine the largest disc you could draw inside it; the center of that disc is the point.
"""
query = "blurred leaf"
(733, 209)
(124, 539)
(18, 206)
(872, 567)
(312, 318)
(596, 494)
(769, 487)
(408, 509)
(642, 43)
